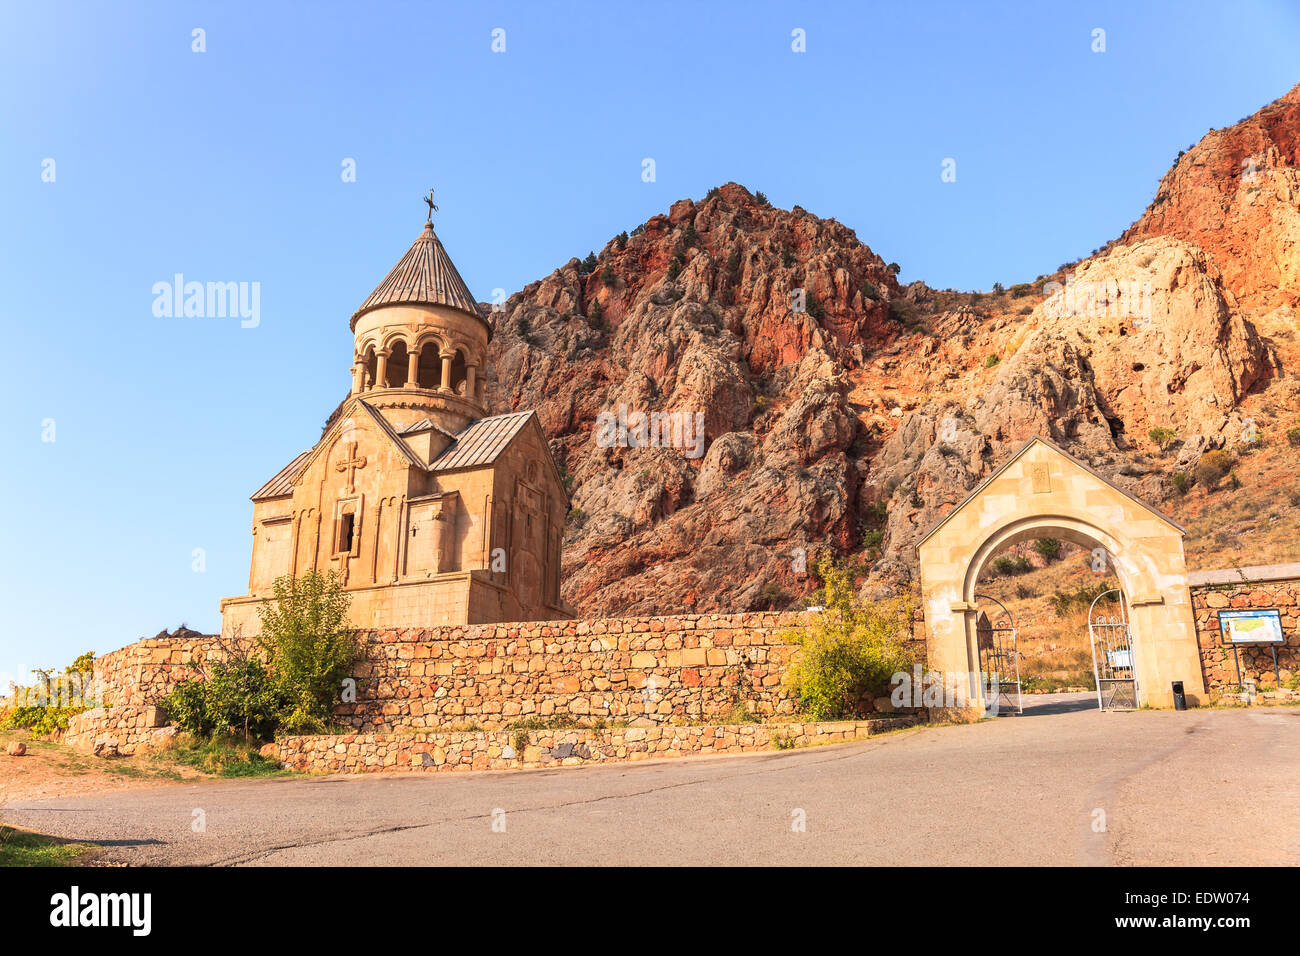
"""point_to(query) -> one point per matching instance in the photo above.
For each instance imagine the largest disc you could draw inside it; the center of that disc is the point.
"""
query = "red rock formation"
(1236, 195)
(879, 407)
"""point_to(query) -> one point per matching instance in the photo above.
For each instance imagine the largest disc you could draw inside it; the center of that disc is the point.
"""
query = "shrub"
(1213, 467)
(607, 276)
(1009, 567)
(772, 597)
(762, 198)
(852, 648)
(872, 540)
(869, 291)
(44, 708)
(1065, 603)
(1162, 436)
(595, 314)
(620, 241)
(305, 635)
(895, 268)
(1181, 482)
(998, 288)
(689, 236)
(991, 361)
(1293, 436)
(814, 307)
(238, 695)
(1048, 548)
(589, 264)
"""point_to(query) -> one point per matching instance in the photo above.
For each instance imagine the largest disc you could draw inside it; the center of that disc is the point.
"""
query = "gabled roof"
(282, 484)
(391, 432)
(481, 442)
(424, 276)
(1039, 440)
(425, 425)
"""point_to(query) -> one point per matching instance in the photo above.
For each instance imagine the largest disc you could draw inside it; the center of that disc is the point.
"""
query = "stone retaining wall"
(505, 750)
(643, 671)
(1246, 588)
(686, 668)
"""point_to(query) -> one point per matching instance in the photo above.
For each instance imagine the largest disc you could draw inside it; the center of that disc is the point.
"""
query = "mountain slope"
(855, 423)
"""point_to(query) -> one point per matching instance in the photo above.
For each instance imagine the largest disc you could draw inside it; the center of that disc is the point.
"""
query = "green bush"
(991, 361)
(1162, 436)
(1293, 436)
(238, 696)
(309, 646)
(1181, 482)
(1048, 548)
(1012, 566)
(44, 707)
(308, 652)
(852, 648)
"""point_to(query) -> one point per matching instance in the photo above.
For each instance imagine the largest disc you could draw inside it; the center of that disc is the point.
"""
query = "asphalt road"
(1213, 787)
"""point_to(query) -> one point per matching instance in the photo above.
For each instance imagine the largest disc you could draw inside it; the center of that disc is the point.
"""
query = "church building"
(430, 510)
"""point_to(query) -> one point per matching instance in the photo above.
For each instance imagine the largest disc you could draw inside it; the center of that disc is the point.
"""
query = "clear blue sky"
(225, 166)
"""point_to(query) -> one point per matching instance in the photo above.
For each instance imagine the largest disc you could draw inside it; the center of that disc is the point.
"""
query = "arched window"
(458, 374)
(369, 364)
(397, 365)
(430, 371)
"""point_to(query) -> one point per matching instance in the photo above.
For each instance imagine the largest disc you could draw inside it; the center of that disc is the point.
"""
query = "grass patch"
(25, 848)
(222, 757)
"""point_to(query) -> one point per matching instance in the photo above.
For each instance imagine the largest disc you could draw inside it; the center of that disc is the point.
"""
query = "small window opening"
(346, 530)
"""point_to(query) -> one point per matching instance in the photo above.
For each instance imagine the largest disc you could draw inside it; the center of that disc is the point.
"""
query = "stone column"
(470, 372)
(444, 384)
(358, 375)
(381, 369)
(413, 368)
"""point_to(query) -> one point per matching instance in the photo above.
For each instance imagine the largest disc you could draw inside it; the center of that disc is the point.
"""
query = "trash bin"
(1180, 699)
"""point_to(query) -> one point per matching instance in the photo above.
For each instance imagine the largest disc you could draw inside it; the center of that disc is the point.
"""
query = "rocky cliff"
(839, 410)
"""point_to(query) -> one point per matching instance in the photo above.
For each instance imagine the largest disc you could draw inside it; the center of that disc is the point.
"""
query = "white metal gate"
(999, 660)
(1113, 665)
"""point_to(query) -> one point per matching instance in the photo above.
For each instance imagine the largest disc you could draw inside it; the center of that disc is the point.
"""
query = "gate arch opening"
(1043, 492)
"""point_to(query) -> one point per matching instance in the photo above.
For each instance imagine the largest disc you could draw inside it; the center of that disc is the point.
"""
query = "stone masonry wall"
(504, 749)
(1256, 660)
(128, 685)
(643, 671)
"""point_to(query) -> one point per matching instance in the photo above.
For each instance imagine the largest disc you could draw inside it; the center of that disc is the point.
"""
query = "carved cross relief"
(350, 465)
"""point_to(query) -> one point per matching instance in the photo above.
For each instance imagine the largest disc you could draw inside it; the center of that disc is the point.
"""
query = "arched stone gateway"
(1042, 492)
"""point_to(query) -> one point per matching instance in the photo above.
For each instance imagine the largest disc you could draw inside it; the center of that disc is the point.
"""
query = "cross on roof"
(428, 200)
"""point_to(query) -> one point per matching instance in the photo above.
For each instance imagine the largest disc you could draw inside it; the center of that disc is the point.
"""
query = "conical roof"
(424, 276)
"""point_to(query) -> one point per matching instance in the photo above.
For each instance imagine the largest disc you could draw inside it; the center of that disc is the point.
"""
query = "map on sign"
(1252, 627)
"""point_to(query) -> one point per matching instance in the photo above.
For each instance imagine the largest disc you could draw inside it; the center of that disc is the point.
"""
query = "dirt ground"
(53, 770)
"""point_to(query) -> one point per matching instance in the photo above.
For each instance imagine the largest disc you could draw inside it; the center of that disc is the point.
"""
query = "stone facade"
(1242, 589)
(507, 750)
